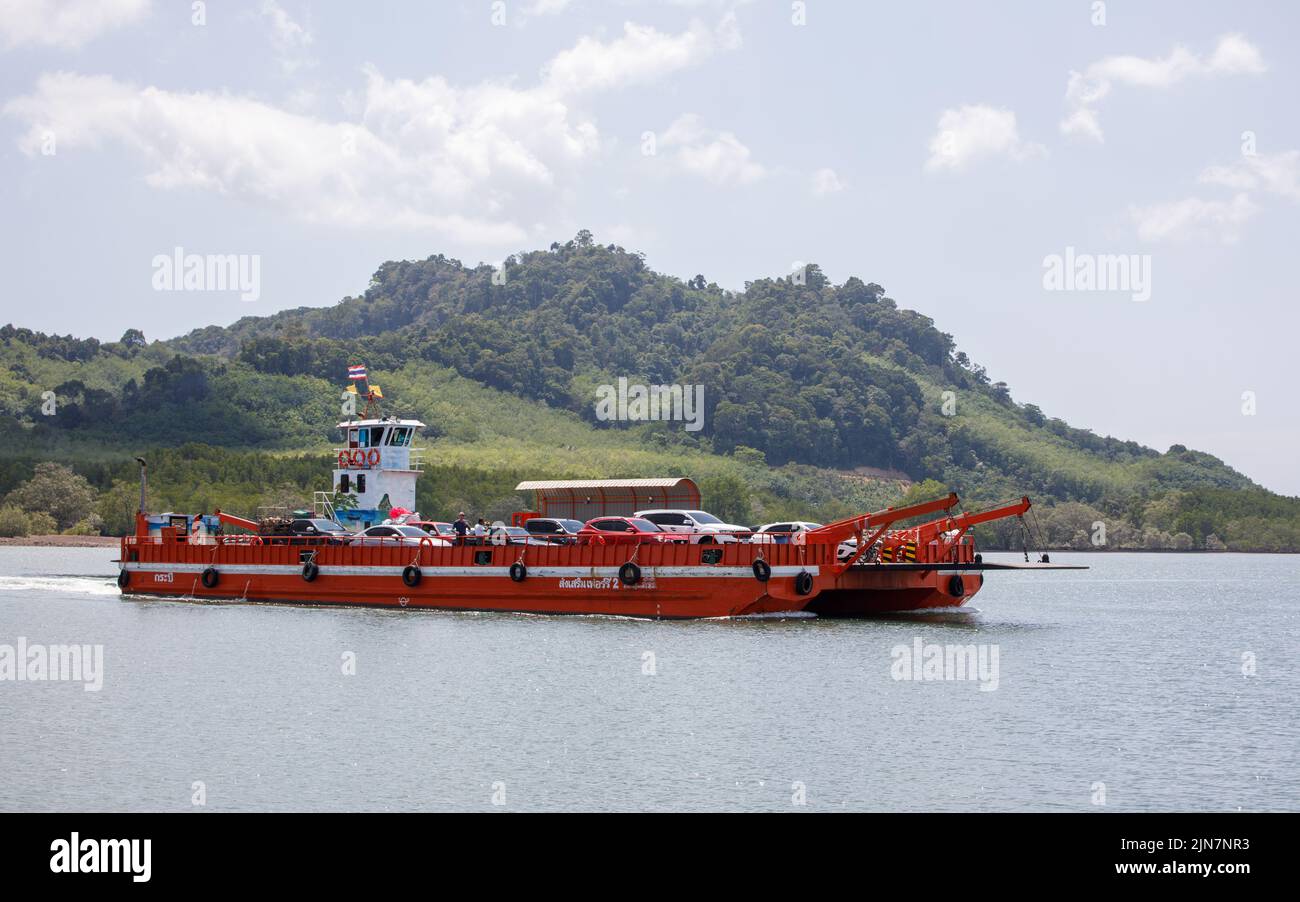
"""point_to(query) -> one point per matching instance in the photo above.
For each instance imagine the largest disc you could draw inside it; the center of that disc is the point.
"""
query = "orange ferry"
(886, 568)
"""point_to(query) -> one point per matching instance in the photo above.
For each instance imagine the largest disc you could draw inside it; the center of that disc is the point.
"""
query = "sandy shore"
(64, 541)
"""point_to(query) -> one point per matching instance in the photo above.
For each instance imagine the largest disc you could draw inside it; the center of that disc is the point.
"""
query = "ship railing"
(390, 552)
(415, 458)
(323, 505)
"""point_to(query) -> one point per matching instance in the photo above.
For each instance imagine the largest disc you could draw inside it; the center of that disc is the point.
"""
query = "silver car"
(386, 534)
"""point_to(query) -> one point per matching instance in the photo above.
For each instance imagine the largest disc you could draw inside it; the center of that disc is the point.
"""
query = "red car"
(625, 531)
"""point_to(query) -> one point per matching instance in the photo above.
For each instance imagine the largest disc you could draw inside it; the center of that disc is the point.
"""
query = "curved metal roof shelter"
(582, 499)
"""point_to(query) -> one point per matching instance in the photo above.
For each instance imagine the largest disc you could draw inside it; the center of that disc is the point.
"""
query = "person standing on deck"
(460, 527)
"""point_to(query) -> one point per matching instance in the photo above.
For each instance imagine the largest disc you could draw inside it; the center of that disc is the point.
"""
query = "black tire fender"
(629, 574)
(211, 577)
(310, 571)
(956, 586)
(762, 570)
(519, 571)
(412, 576)
(803, 583)
(123, 579)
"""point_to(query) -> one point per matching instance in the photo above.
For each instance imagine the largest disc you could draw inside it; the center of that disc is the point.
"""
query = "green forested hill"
(804, 382)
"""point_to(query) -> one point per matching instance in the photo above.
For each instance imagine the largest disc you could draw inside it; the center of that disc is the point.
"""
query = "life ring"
(411, 576)
(762, 570)
(803, 583)
(123, 579)
(519, 571)
(629, 574)
(357, 457)
(210, 577)
(343, 459)
(956, 587)
(372, 457)
(310, 571)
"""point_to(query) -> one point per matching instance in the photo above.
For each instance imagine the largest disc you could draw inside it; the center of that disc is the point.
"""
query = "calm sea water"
(1129, 675)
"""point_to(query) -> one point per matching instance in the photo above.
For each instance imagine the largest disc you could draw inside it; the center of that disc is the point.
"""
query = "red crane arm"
(232, 520)
(962, 522)
(854, 526)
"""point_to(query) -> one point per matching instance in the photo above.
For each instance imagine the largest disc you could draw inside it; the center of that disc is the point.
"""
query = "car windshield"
(326, 526)
(571, 525)
(702, 517)
(643, 525)
(516, 530)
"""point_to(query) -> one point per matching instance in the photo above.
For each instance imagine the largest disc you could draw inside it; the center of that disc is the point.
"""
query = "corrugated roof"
(546, 484)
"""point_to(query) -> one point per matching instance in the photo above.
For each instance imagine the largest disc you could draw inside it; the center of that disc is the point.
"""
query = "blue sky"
(944, 150)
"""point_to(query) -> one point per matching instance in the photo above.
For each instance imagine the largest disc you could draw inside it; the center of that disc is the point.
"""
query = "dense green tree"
(56, 490)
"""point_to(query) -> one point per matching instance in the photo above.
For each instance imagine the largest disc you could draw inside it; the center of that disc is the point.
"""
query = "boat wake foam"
(77, 585)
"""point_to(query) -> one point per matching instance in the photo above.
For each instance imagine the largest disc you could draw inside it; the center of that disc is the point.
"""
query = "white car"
(395, 534)
(705, 529)
(782, 533)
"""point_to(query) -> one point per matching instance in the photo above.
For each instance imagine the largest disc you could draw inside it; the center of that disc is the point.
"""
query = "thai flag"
(357, 372)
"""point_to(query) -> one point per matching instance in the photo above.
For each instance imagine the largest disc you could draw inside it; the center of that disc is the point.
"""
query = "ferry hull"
(867, 591)
(676, 582)
(656, 596)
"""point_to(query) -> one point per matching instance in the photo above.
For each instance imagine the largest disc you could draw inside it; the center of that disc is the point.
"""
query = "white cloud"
(825, 181)
(291, 41)
(64, 23)
(1274, 173)
(1233, 55)
(642, 54)
(547, 7)
(717, 156)
(1193, 218)
(473, 160)
(975, 132)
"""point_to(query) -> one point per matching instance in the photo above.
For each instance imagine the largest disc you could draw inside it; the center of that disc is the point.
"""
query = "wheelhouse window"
(345, 483)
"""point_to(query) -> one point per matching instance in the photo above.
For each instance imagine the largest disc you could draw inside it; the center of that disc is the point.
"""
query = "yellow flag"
(378, 392)
(351, 388)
